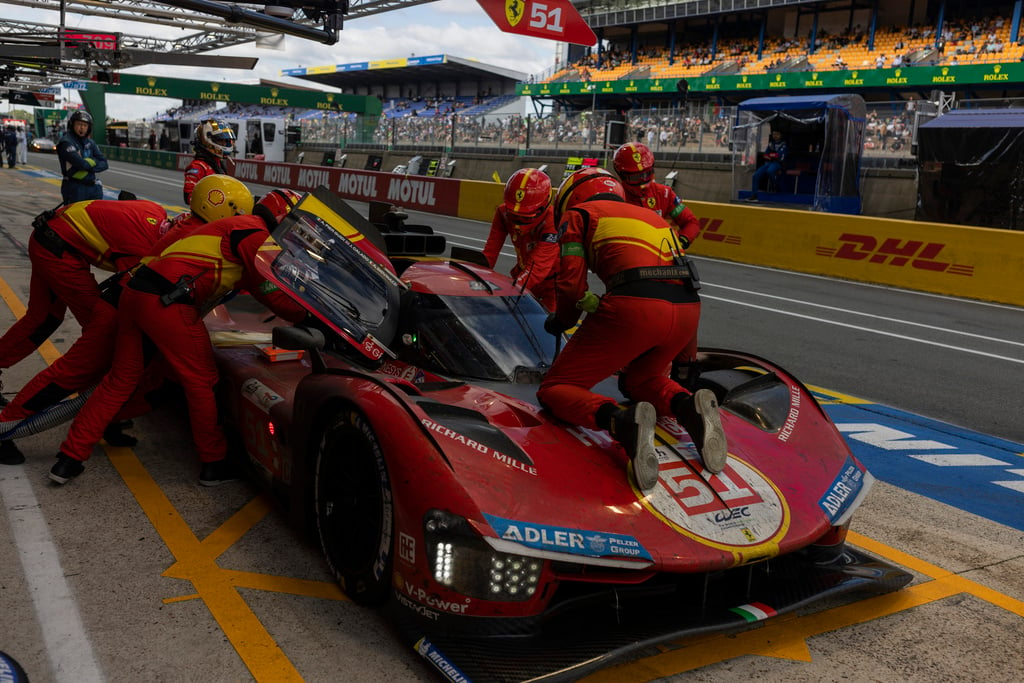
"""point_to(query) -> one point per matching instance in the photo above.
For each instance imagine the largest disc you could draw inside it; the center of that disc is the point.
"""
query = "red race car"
(402, 424)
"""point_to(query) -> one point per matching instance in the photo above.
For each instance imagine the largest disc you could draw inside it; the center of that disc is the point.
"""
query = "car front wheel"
(354, 508)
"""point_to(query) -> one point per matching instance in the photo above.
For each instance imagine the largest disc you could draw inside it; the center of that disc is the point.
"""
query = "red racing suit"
(639, 326)
(536, 245)
(199, 169)
(110, 235)
(662, 200)
(158, 313)
(90, 357)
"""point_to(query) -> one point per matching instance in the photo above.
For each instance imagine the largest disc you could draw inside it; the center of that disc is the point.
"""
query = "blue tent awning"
(852, 104)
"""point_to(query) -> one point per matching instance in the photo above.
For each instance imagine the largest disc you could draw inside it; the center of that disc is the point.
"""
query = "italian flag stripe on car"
(755, 611)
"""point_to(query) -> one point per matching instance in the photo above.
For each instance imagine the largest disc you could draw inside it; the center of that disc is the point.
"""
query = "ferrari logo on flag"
(514, 11)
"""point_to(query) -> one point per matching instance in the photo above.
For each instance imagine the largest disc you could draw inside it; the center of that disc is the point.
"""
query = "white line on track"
(67, 645)
(871, 285)
(801, 302)
(862, 329)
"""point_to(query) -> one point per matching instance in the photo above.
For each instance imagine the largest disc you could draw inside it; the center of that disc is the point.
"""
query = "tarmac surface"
(133, 572)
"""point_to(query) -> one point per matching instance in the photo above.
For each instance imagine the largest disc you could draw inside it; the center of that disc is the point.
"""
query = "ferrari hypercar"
(400, 425)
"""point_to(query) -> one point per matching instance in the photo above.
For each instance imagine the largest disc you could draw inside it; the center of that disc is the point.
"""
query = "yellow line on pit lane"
(786, 637)
(196, 561)
(47, 350)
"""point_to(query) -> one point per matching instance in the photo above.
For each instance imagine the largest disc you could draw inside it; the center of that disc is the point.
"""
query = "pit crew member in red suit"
(525, 215)
(647, 316)
(213, 143)
(162, 309)
(90, 357)
(634, 164)
(64, 246)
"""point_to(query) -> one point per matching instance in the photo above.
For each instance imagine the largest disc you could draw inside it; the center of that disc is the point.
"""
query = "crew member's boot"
(10, 454)
(633, 427)
(698, 414)
(114, 435)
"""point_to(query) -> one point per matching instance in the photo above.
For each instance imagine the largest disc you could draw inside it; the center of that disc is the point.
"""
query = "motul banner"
(422, 193)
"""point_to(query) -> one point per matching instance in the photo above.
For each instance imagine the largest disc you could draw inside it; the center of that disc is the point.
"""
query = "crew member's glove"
(685, 241)
(554, 326)
(589, 302)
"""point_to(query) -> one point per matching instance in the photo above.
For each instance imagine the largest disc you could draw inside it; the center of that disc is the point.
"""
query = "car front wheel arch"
(353, 506)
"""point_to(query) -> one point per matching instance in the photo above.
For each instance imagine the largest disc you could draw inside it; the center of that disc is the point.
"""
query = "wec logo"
(894, 252)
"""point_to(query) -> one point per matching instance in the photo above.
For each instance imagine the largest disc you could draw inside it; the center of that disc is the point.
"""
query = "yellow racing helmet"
(220, 196)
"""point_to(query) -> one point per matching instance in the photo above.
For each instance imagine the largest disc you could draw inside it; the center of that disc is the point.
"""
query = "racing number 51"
(542, 18)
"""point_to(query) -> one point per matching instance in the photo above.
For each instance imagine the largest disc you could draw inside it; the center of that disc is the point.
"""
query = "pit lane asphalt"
(133, 572)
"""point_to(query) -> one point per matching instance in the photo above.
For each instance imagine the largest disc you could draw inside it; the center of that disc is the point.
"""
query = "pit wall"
(978, 263)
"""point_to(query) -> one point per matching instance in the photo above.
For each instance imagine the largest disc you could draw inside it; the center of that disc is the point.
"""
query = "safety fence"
(695, 128)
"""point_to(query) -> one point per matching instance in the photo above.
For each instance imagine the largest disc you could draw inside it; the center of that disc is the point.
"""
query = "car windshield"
(496, 338)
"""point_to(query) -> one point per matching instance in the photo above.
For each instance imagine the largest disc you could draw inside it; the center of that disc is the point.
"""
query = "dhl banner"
(978, 263)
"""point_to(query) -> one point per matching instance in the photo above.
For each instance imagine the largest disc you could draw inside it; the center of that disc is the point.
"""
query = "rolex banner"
(215, 91)
(927, 77)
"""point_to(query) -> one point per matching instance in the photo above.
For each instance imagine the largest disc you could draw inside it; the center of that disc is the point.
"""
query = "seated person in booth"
(774, 156)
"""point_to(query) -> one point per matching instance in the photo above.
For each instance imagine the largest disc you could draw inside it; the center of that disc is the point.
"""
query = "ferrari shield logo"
(520, 194)
(514, 10)
(652, 203)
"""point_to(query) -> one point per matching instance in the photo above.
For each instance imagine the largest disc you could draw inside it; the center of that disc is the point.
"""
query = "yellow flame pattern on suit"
(205, 251)
(634, 233)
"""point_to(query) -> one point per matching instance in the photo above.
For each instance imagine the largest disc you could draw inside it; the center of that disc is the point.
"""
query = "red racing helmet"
(279, 202)
(527, 194)
(634, 164)
(586, 184)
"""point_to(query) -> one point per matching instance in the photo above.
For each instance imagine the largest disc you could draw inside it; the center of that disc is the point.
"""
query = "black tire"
(353, 508)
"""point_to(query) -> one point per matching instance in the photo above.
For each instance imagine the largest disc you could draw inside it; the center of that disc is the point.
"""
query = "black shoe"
(114, 435)
(633, 427)
(66, 469)
(702, 422)
(218, 472)
(10, 454)
(687, 374)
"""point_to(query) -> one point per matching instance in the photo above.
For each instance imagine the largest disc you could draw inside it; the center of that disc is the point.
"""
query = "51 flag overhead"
(551, 19)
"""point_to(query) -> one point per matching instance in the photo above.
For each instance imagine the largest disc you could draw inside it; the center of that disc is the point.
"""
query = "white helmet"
(215, 137)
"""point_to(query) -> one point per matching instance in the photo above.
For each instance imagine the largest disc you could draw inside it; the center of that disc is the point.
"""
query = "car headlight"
(461, 559)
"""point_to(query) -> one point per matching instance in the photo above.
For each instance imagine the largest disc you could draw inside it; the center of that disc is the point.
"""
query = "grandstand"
(427, 87)
(640, 40)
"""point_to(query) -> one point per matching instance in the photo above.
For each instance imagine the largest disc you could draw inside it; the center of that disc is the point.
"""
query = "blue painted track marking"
(974, 472)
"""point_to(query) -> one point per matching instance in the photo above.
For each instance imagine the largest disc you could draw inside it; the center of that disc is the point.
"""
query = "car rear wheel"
(354, 509)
